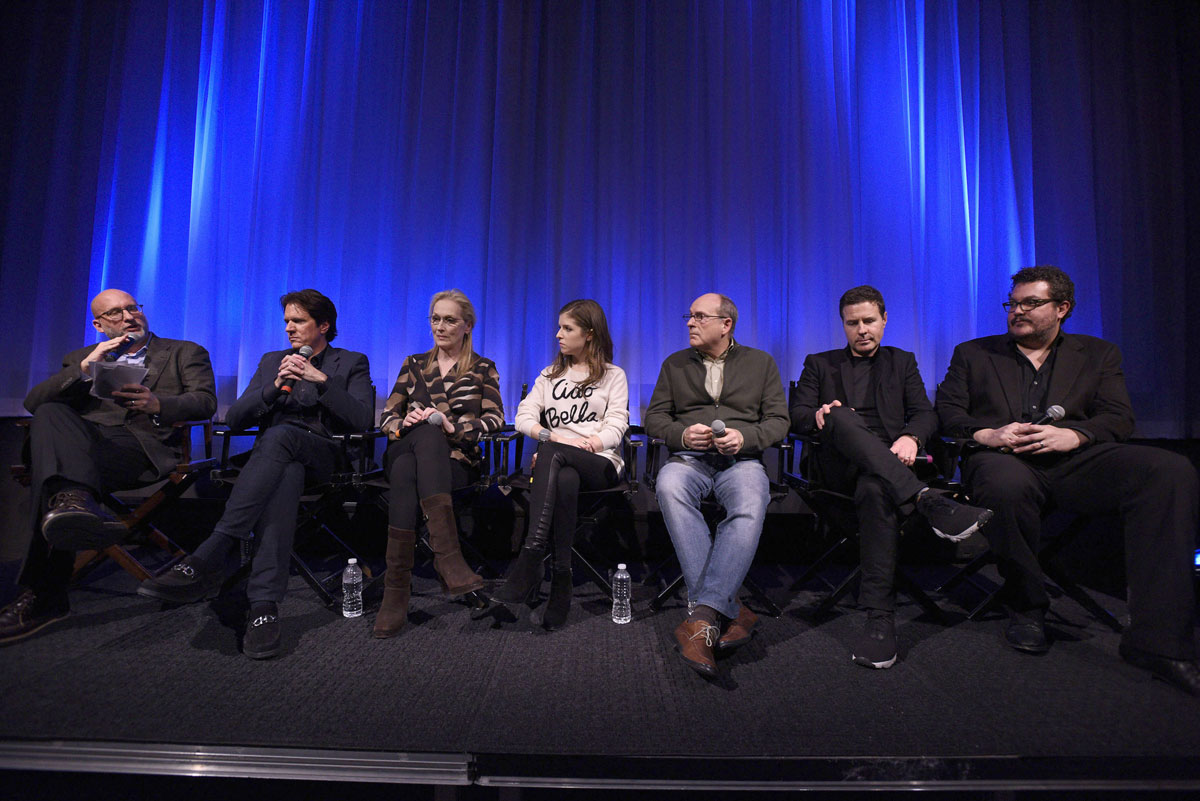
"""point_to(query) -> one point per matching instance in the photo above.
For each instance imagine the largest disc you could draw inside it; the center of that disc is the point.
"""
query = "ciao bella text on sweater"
(559, 414)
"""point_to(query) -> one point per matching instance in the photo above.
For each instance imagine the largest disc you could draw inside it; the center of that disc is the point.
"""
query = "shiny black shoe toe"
(1183, 673)
(185, 583)
(1027, 633)
(263, 638)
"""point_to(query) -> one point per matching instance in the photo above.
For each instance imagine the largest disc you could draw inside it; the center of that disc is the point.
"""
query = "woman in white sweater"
(578, 409)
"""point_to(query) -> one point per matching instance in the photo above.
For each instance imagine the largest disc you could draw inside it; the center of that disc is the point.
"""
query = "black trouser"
(65, 449)
(854, 460)
(1153, 491)
(561, 472)
(266, 498)
(418, 465)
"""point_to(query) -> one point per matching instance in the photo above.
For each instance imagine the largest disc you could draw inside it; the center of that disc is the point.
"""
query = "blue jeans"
(714, 567)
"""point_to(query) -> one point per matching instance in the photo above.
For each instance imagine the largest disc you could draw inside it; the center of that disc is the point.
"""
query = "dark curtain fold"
(210, 155)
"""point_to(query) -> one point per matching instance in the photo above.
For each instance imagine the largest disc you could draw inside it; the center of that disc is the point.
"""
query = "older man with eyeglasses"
(83, 443)
(996, 395)
(715, 379)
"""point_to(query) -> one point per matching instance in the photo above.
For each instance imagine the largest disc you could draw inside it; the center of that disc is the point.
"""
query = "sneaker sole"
(30, 632)
(862, 660)
(979, 523)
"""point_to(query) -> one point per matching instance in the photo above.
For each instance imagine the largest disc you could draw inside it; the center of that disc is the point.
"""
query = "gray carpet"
(126, 668)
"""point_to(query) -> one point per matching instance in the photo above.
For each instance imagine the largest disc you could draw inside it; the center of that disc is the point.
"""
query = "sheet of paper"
(107, 376)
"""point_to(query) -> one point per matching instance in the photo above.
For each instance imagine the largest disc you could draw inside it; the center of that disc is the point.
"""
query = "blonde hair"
(467, 356)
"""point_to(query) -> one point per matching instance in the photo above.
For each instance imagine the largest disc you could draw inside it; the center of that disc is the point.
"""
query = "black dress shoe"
(185, 583)
(1027, 632)
(1183, 673)
(263, 636)
(30, 614)
(75, 522)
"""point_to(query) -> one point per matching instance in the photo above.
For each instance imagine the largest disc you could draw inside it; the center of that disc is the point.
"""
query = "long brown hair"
(597, 351)
(466, 356)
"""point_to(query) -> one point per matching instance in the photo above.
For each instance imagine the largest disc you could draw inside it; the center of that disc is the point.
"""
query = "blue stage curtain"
(209, 155)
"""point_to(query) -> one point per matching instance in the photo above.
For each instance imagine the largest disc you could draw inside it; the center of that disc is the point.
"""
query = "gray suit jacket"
(180, 375)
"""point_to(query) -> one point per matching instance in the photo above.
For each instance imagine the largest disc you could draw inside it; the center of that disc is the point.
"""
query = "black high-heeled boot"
(525, 576)
(559, 605)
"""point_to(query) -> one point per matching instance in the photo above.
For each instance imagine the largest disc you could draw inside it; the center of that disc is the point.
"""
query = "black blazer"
(900, 397)
(345, 404)
(982, 388)
(179, 373)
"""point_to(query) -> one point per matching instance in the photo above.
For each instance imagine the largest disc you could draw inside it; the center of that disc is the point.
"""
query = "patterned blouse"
(471, 402)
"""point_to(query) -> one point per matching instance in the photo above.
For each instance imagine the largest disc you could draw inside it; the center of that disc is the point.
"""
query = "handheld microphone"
(435, 419)
(718, 428)
(1054, 413)
(305, 351)
(123, 348)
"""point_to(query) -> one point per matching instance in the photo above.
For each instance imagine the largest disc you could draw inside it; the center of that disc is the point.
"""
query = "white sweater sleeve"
(530, 409)
(616, 416)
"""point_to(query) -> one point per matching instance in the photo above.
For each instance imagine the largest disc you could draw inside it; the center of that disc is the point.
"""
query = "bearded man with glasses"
(82, 445)
(997, 393)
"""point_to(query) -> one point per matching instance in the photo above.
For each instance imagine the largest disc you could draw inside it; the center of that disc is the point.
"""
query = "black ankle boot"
(524, 577)
(559, 604)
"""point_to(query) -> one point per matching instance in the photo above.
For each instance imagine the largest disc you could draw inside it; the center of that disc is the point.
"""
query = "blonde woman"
(428, 455)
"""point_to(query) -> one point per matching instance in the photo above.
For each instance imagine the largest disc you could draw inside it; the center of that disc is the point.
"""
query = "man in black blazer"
(995, 395)
(867, 407)
(298, 403)
(81, 444)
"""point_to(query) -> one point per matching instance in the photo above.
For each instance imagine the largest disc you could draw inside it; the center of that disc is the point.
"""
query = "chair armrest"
(186, 427)
(365, 440)
(226, 434)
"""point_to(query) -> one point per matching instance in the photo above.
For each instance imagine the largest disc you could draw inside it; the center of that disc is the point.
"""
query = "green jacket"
(752, 399)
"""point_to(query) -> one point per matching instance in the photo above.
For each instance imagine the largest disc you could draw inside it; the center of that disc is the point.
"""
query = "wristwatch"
(544, 435)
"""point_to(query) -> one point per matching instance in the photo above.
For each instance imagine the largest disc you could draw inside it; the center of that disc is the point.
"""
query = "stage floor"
(128, 685)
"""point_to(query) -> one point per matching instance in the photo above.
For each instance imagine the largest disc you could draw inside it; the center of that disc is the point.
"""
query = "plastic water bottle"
(622, 587)
(352, 589)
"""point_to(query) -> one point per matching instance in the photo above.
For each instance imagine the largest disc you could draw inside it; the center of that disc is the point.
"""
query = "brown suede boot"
(397, 583)
(457, 577)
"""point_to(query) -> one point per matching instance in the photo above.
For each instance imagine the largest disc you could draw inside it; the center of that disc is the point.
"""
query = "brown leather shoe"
(740, 629)
(75, 522)
(695, 639)
(29, 614)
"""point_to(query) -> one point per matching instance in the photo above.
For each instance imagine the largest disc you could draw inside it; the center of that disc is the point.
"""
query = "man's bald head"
(112, 316)
(712, 330)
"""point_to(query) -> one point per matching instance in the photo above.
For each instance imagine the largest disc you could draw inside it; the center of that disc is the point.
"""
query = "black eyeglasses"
(1028, 304)
(700, 317)
(119, 312)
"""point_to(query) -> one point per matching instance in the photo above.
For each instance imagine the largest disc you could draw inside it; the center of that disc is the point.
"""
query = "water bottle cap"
(621, 566)
(352, 562)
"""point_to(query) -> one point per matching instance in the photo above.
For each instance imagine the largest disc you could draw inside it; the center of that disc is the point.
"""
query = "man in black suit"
(81, 444)
(995, 395)
(867, 406)
(298, 403)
